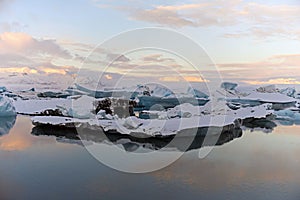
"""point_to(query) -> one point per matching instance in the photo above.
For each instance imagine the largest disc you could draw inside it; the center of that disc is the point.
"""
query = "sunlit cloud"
(183, 78)
(258, 19)
(24, 44)
(108, 77)
(275, 67)
(282, 81)
(18, 70)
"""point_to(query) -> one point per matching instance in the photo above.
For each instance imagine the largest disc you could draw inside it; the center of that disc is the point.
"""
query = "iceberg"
(287, 117)
(196, 93)
(6, 107)
(228, 85)
(160, 91)
(51, 94)
(39, 106)
(267, 89)
(81, 108)
(106, 93)
(161, 127)
(161, 103)
(2, 89)
(288, 92)
(161, 98)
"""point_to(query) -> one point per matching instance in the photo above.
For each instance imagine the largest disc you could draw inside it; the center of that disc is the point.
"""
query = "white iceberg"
(6, 107)
(36, 106)
(160, 91)
(288, 92)
(228, 85)
(81, 108)
(161, 127)
(196, 93)
(267, 89)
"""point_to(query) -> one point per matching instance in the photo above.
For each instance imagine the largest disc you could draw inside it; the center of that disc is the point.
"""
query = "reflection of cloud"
(19, 137)
(157, 58)
(252, 160)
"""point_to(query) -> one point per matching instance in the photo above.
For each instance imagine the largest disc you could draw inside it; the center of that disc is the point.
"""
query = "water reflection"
(6, 123)
(19, 137)
(132, 144)
(254, 166)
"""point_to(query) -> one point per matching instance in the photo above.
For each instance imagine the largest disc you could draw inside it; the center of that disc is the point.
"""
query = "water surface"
(255, 165)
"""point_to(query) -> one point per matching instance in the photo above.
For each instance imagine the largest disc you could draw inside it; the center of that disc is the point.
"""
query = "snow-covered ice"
(6, 107)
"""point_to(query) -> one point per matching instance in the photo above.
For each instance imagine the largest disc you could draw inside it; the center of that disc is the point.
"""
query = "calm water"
(254, 166)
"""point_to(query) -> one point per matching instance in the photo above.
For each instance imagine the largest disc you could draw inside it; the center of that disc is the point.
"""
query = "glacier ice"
(196, 93)
(81, 108)
(288, 92)
(6, 107)
(229, 85)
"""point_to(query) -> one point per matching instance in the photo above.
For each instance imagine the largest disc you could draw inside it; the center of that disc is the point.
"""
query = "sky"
(254, 42)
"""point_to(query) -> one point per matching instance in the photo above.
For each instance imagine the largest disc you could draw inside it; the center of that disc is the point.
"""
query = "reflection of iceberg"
(6, 123)
(132, 144)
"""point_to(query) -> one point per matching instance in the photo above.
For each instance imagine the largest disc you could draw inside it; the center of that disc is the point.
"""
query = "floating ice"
(288, 92)
(228, 85)
(160, 91)
(267, 89)
(2, 89)
(81, 108)
(6, 107)
(196, 93)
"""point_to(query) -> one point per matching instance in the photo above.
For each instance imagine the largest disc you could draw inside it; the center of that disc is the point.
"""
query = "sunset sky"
(256, 42)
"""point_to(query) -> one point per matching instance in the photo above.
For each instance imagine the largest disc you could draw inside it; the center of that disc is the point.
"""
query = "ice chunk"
(185, 110)
(2, 89)
(196, 93)
(287, 114)
(6, 107)
(132, 122)
(36, 107)
(228, 85)
(160, 91)
(81, 108)
(102, 115)
(288, 92)
(267, 89)
(51, 94)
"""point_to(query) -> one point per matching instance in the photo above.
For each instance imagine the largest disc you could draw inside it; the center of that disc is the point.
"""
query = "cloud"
(117, 57)
(157, 58)
(4, 3)
(282, 81)
(24, 44)
(12, 27)
(243, 17)
(278, 69)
